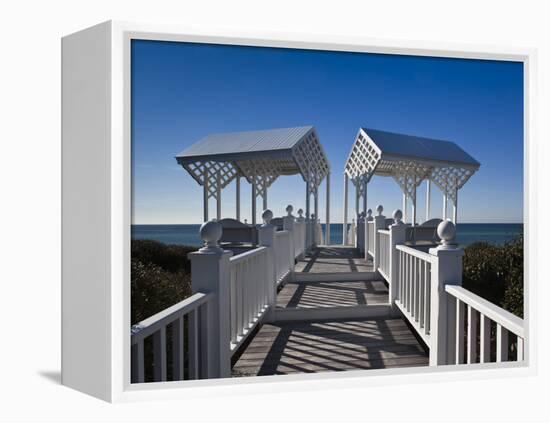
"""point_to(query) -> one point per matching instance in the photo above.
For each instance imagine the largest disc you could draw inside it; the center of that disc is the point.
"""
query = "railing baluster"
(138, 362)
(427, 304)
(421, 294)
(484, 339)
(193, 337)
(233, 304)
(459, 340)
(177, 349)
(159, 354)
(520, 348)
(502, 344)
(472, 334)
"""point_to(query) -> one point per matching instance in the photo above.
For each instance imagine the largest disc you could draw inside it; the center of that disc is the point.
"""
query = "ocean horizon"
(467, 233)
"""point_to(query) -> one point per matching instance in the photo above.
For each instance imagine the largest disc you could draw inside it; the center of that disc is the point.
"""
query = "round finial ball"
(300, 212)
(211, 232)
(446, 231)
(379, 209)
(369, 212)
(397, 215)
(289, 209)
(267, 215)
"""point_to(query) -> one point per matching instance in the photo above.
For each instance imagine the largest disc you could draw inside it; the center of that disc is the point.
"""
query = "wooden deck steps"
(332, 300)
(308, 347)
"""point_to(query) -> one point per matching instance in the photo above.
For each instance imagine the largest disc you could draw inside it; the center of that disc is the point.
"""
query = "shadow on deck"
(333, 259)
(323, 323)
(311, 347)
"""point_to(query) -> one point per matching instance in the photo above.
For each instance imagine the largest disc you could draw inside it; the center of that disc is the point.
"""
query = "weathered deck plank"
(332, 294)
(300, 347)
(333, 259)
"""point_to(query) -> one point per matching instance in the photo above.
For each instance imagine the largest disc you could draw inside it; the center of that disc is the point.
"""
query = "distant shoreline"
(467, 233)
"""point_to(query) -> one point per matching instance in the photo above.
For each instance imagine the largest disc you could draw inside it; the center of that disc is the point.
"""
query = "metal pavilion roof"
(409, 160)
(259, 156)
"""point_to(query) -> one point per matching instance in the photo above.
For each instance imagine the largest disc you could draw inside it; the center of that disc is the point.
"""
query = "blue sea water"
(467, 233)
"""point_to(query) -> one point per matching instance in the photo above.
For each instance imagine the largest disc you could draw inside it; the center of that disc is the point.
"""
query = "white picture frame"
(97, 214)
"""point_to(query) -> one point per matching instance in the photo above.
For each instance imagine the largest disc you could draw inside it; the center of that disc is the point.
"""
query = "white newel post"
(398, 235)
(379, 223)
(446, 270)
(368, 219)
(266, 236)
(303, 228)
(210, 273)
(288, 225)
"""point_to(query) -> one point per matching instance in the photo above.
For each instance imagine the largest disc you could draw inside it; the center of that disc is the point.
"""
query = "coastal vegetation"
(161, 275)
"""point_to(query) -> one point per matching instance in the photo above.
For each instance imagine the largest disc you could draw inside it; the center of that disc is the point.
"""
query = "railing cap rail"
(504, 318)
(150, 325)
(416, 253)
(384, 231)
(246, 255)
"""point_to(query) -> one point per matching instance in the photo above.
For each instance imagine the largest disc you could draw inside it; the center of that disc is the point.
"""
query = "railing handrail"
(384, 231)
(151, 324)
(416, 253)
(246, 255)
(497, 314)
(283, 232)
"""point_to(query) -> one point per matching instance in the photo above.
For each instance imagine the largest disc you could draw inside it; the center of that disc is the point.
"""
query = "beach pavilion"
(409, 160)
(260, 157)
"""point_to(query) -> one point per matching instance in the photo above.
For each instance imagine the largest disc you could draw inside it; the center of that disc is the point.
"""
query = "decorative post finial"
(397, 216)
(210, 233)
(289, 210)
(313, 216)
(369, 215)
(446, 230)
(267, 215)
(300, 213)
(380, 209)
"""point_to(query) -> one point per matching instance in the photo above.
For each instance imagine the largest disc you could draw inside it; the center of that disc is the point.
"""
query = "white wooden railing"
(283, 253)
(413, 288)
(299, 234)
(475, 312)
(186, 323)
(371, 232)
(250, 284)
(384, 249)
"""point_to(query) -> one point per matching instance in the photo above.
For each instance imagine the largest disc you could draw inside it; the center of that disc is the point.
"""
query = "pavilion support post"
(428, 193)
(308, 217)
(455, 207)
(218, 196)
(316, 220)
(444, 206)
(238, 198)
(404, 208)
(345, 218)
(413, 223)
(253, 204)
(365, 197)
(264, 199)
(205, 194)
(356, 200)
(327, 211)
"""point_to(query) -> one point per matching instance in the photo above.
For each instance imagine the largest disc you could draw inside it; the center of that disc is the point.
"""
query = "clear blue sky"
(183, 91)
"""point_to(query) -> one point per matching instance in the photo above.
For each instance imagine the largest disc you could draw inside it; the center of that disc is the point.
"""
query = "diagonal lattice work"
(311, 160)
(408, 160)
(363, 160)
(211, 161)
(450, 179)
(409, 175)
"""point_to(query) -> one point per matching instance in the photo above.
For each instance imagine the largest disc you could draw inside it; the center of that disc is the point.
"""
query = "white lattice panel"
(362, 161)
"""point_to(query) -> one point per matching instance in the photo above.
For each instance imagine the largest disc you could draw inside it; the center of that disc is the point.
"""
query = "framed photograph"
(246, 211)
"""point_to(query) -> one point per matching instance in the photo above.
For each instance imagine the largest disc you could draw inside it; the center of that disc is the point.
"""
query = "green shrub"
(495, 272)
(160, 277)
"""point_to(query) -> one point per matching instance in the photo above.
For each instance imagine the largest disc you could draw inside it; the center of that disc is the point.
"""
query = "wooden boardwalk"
(311, 347)
(332, 294)
(315, 342)
(333, 259)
